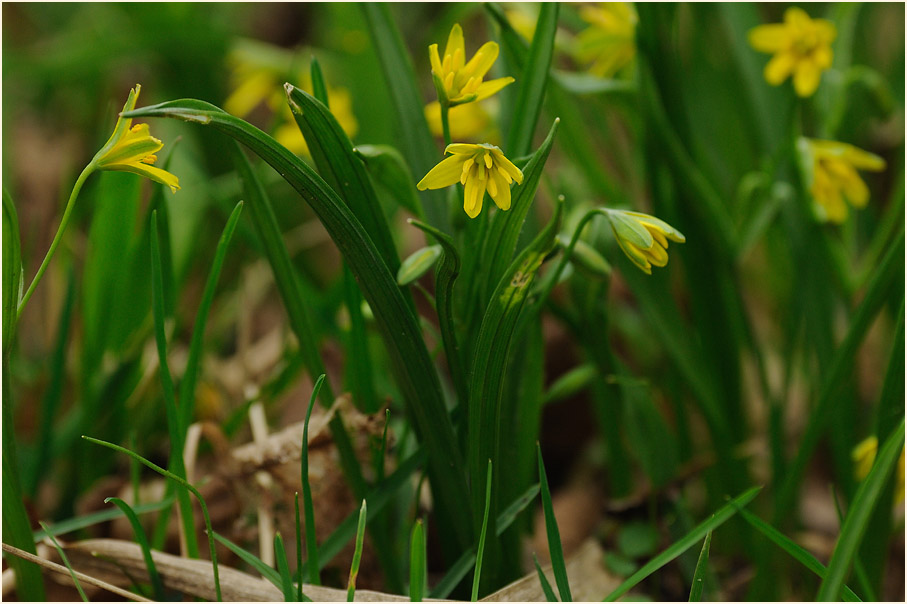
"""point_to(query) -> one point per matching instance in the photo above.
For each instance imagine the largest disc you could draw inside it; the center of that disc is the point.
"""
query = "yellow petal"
(635, 255)
(507, 166)
(863, 160)
(135, 145)
(455, 43)
(822, 56)
(855, 189)
(461, 149)
(443, 175)
(475, 191)
(806, 78)
(434, 59)
(796, 17)
(155, 174)
(482, 61)
(491, 87)
(779, 68)
(769, 38)
(501, 195)
(825, 30)
(250, 93)
(657, 255)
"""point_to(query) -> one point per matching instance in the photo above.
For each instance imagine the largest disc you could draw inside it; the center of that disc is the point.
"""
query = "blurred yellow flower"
(864, 455)
(834, 176)
(802, 47)
(459, 82)
(466, 121)
(132, 149)
(479, 168)
(643, 238)
(609, 43)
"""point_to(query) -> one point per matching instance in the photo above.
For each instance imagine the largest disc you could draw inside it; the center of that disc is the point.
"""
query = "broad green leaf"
(418, 146)
(410, 362)
(532, 82)
(417, 264)
(388, 168)
(868, 495)
(685, 543)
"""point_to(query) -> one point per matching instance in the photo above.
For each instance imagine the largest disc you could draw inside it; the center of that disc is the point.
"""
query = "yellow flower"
(864, 455)
(480, 168)
(466, 121)
(132, 149)
(609, 41)
(802, 47)
(643, 238)
(834, 176)
(459, 82)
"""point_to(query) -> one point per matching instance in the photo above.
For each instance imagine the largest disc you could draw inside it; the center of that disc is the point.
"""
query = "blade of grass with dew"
(685, 543)
(342, 169)
(543, 580)
(858, 515)
(142, 538)
(841, 367)
(65, 560)
(357, 553)
(458, 570)
(80, 522)
(445, 277)
(490, 362)
(311, 542)
(796, 551)
(480, 550)
(184, 483)
(298, 312)
(533, 80)
(410, 362)
(701, 566)
(417, 566)
(417, 143)
(172, 413)
(555, 550)
(283, 569)
(388, 168)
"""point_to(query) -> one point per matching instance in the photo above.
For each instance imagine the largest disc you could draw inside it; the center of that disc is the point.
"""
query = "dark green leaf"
(417, 264)
(12, 270)
(543, 580)
(417, 566)
(142, 538)
(283, 568)
(555, 550)
(702, 566)
(388, 168)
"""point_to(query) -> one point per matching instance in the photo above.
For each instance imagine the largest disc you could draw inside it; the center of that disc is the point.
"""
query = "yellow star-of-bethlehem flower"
(802, 47)
(834, 176)
(479, 168)
(132, 149)
(609, 43)
(460, 82)
(643, 238)
(864, 455)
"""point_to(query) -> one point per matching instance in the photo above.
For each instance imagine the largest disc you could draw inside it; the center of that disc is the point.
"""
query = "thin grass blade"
(142, 538)
(80, 522)
(480, 552)
(701, 566)
(283, 569)
(65, 559)
(543, 580)
(555, 549)
(357, 553)
(311, 542)
(417, 565)
(252, 560)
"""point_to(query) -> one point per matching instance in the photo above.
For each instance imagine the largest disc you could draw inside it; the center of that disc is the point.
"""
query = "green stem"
(445, 122)
(53, 246)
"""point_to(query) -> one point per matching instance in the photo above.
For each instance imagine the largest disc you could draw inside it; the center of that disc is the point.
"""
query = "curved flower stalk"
(643, 238)
(609, 43)
(129, 149)
(801, 47)
(833, 177)
(479, 168)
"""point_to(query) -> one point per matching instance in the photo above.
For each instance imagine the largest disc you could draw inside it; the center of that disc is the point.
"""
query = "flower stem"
(53, 246)
(445, 123)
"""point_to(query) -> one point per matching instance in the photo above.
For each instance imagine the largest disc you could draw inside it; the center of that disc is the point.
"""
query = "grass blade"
(701, 567)
(319, 88)
(480, 552)
(533, 81)
(142, 538)
(685, 543)
(554, 537)
(546, 586)
(80, 522)
(12, 269)
(311, 543)
(184, 483)
(417, 563)
(65, 559)
(357, 553)
(298, 545)
(252, 560)
(283, 569)
(858, 515)
(418, 146)
(410, 362)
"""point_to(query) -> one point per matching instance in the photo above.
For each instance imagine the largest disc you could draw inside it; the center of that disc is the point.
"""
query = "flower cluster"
(833, 176)
(643, 238)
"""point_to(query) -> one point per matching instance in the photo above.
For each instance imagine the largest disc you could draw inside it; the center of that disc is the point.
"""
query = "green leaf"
(142, 538)
(868, 495)
(311, 542)
(357, 553)
(417, 566)
(532, 82)
(388, 168)
(418, 146)
(555, 550)
(685, 543)
(343, 171)
(283, 568)
(702, 566)
(410, 362)
(80, 522)
(543, 580)
(417, 264)
(480, 551)
(252, 560)
(65, 559)
(492, 353)
(571, 383)
(586, 258)
(319, 88)
(587, 84)
(12, 270)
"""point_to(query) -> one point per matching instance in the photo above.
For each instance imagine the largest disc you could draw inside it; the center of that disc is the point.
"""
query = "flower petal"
(434, 59)
(475, 191)
(482, 61)
(155, 174)
(507, 166)
(501, 196)
(443, 175)
(779, 68)
(462, 148)
(491, 87)
(455, 42)
(769, 38)
(806, 78)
